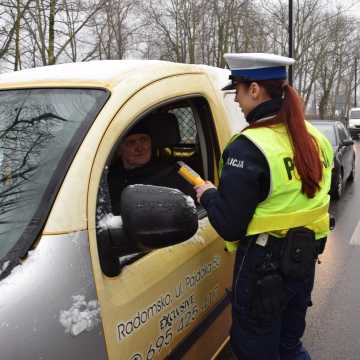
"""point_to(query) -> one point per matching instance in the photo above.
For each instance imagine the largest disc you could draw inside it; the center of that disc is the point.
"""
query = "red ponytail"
(306, 151)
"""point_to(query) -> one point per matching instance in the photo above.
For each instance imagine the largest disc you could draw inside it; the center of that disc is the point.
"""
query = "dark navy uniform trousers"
(271, 339)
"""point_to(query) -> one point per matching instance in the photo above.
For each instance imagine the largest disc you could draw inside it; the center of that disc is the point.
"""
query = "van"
(354, 122)
(76, 281)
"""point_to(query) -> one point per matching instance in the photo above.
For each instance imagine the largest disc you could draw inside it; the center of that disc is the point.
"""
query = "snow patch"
(190, 202)
(198, 238)
(110, 221)
(156, 187)
(5, 266)
(126, 258)
(174, 191)
(97, 70)
(82, 316)
(76, 237)
(18, 270)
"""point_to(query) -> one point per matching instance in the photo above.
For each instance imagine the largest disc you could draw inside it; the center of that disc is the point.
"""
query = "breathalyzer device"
(189, 174)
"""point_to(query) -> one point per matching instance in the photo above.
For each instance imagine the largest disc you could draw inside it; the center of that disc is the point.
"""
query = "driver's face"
(135, 150)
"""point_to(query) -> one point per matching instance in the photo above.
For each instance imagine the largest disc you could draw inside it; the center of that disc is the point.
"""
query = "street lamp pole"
(291, 45)
(355, 95)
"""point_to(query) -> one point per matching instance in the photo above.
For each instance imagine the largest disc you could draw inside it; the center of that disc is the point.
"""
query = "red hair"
(306, 151)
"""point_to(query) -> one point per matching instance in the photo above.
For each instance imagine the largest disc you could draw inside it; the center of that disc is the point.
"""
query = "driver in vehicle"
(135, 163)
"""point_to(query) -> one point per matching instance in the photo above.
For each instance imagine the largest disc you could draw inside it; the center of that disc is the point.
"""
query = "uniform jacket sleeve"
(245, 181)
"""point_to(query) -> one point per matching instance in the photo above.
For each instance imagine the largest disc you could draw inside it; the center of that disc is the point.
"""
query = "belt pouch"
(298, 253)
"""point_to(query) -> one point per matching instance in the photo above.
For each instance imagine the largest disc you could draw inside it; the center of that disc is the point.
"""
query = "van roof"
(103, 73)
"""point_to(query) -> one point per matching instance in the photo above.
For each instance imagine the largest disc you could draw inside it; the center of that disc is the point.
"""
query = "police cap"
(256, 67)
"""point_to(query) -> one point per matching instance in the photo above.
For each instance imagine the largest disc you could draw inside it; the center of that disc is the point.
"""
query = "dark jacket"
(231, 207)
(160, 173)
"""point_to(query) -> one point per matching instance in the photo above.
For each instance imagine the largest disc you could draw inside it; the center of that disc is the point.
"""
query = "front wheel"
(352, 173)
(338, 188)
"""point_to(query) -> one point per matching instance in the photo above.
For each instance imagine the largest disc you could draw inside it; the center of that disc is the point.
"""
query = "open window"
(180, 130)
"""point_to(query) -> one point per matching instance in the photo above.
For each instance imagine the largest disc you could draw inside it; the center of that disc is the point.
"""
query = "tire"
(339, 186)
(351, 177)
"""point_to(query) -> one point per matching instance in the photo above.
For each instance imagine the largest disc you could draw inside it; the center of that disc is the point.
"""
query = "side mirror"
(347, 142)
(156, 217)
(152, 217)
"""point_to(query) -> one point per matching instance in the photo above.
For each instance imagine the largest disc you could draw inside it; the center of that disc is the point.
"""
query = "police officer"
(271, 207)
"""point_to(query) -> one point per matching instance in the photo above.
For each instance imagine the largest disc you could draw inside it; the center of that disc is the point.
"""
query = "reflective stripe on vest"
(286, 206)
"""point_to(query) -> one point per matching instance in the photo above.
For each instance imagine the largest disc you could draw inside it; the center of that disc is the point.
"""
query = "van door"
(169, 302)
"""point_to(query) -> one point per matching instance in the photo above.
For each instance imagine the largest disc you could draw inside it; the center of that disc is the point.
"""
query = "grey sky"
(354, 6)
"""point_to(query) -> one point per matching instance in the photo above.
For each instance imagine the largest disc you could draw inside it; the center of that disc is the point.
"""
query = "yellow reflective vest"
(286, 206)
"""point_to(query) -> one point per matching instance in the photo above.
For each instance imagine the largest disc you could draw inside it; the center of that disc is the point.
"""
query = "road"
(333, 322)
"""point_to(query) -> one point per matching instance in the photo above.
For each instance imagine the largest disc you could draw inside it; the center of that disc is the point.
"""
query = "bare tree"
(176, 24)
(115, 28)
(53, 26)
(11, 15)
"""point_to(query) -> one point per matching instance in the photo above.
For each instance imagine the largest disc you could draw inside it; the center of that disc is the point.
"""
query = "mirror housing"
(155, 217)
(113, 244)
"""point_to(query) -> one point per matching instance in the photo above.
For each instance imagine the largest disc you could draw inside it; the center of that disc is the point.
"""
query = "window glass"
(328, 130)
(186, 123)
(36, 128)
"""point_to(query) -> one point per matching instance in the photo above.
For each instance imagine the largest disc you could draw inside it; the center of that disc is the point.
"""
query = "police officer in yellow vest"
(271, 207)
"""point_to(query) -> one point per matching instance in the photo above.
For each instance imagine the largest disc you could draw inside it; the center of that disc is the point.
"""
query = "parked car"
(75, 281)
(354, 122)
(344, 154)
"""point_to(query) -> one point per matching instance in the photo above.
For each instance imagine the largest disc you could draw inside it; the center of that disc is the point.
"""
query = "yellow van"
(77, 281)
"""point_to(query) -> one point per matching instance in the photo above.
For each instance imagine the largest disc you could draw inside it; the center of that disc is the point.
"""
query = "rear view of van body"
(354, 122)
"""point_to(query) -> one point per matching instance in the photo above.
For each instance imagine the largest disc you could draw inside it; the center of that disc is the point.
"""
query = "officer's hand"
(200, 189)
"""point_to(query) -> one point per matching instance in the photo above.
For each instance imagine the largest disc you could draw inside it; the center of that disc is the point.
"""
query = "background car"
(354, 122)
(344, 154)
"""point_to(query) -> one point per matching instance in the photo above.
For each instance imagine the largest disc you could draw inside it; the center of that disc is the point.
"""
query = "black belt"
(275, 244)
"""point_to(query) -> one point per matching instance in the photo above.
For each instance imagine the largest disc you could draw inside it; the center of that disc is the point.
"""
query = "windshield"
(37, 128)
(329, 131)
(355, 114)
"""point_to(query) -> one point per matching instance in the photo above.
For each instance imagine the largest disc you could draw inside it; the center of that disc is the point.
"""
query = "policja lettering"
(290, 166)
(235, 162)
